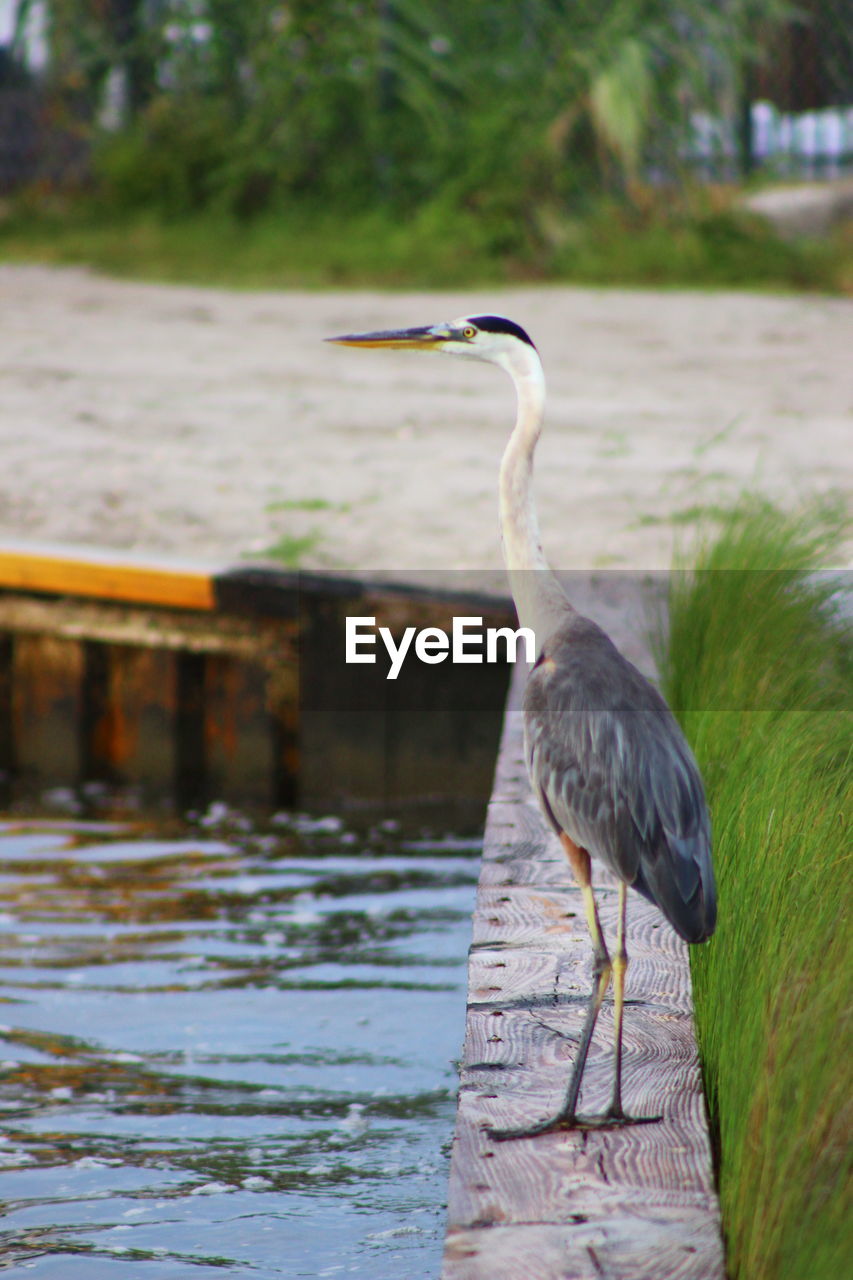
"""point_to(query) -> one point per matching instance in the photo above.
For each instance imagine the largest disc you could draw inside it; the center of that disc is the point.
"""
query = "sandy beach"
(212, 425)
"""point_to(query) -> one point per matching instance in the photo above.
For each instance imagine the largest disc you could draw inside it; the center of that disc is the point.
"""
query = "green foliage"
(409, 142)
(436, 246)
(620, 101)
(758, 669)
(359, 103)
(664, 244)
(166, 160)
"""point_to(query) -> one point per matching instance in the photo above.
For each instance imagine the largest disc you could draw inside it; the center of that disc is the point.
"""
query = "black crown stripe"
(500, 324)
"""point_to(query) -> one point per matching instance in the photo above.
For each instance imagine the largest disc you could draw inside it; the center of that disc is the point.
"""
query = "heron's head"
(492, 338)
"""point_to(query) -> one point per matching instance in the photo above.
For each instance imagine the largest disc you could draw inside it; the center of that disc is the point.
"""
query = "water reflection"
(228, 1049)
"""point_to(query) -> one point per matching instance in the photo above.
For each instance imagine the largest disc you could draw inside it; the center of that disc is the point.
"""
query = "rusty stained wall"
(184, 727)
(426, 740)
(250, 702)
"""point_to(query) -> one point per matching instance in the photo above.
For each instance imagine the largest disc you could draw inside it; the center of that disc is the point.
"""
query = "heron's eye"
(469, 331)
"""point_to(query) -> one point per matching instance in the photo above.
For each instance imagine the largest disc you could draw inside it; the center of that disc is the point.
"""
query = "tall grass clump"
(758, 669)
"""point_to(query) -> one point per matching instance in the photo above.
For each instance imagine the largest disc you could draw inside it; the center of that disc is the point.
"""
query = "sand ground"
(212, 424)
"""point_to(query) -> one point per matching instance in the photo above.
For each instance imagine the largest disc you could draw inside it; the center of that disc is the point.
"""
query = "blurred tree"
(503, 106)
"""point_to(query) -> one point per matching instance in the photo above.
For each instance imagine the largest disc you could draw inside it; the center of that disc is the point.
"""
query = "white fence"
(803, 144)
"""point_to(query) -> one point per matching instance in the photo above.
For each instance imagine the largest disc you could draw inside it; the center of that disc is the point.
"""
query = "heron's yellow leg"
(602, 968)
(581, 864)
(620, 966)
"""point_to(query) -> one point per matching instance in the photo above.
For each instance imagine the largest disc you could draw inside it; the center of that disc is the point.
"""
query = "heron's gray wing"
(614, 771)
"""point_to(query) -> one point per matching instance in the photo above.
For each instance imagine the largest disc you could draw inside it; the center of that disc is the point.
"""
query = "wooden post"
(629, 1204)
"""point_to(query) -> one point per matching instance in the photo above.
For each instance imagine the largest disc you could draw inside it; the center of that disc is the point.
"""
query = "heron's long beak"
(422, 339)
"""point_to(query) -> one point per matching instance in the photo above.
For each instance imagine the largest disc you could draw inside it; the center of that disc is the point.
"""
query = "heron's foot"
(613, 1118)
(531, 1131)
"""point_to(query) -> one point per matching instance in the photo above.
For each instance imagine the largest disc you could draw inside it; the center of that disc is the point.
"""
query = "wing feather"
(614, 771)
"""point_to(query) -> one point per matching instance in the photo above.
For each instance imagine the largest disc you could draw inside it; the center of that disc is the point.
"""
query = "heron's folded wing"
(614, 771)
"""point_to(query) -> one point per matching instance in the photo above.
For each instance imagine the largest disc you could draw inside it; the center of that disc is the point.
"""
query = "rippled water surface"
(228, 1052)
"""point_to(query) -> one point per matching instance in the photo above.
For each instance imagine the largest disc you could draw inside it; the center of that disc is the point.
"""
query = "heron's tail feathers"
(681, 884)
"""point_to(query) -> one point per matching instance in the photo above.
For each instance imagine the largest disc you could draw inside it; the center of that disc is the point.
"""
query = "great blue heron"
(607, 760)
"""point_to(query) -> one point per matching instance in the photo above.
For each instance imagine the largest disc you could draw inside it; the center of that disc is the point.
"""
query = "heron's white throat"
(539, 599)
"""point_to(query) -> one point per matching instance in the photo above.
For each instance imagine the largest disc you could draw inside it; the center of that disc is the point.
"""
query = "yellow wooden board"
(103, 577)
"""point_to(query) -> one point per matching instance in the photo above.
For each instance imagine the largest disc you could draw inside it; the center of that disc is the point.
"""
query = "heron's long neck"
(539, 599)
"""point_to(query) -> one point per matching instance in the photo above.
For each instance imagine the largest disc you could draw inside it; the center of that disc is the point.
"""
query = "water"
(227, 1051)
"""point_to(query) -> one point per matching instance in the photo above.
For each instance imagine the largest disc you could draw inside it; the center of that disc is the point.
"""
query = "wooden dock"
(630, 1204)
(181, 684)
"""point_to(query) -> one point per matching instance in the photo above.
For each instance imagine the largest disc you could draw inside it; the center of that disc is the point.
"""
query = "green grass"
(758, 669)
(697, 512)
(435, 247)
(305, 504)
(290, 549)
(293, 251)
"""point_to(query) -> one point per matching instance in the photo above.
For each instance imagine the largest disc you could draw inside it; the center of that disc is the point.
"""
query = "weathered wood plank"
(157, 628)
(45, 677)
(627, 1204)
(603, 1244)
(105, 576)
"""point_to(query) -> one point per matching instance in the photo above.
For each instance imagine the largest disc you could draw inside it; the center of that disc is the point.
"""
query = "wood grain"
(628, 1204)
(105, 577)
